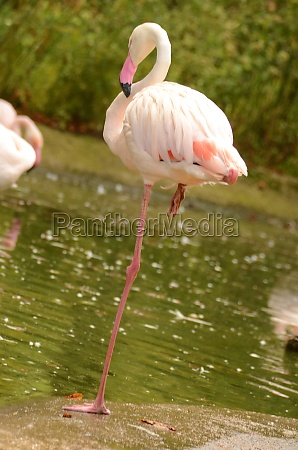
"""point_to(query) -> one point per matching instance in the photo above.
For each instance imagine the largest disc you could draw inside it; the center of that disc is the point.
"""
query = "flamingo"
(16, 157)
(163, 130)
(18, 123)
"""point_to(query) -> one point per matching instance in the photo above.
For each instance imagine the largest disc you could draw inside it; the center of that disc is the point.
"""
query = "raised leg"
(177, 199)
(98, 407)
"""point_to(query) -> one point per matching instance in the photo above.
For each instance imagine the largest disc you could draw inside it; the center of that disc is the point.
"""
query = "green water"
(204, 324)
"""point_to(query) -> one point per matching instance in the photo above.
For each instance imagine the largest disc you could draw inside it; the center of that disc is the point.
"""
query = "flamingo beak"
(126, 88)
(38, 156)
(126, 76)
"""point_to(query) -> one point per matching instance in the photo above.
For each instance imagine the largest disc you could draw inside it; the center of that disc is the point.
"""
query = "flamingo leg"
(98, 407)
(177, 199)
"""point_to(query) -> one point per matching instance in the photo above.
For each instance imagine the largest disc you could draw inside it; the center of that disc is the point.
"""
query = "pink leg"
(98, 407)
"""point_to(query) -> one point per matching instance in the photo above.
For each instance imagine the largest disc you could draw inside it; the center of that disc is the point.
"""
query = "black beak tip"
(126, 88)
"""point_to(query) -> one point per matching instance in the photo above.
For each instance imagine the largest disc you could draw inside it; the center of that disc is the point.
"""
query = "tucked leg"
(177, 199)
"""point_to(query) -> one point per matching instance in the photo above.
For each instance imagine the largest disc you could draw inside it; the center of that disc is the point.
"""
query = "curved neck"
(160, 69)
(115, 113)
(26, 123)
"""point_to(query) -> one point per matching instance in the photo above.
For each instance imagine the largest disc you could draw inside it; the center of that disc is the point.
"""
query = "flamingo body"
(176, 133)
(18, 123)
(16, 157)
(168, 131)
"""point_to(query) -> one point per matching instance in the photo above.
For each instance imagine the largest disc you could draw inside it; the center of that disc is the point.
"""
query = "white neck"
(162, 63)
(26, 123)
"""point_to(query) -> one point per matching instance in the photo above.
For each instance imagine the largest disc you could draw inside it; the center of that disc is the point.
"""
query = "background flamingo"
(22, 125)
(16, 157)
(164, 131)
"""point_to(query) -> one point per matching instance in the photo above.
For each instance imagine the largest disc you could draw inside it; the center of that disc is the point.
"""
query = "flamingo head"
(142, 41)
(38, 155)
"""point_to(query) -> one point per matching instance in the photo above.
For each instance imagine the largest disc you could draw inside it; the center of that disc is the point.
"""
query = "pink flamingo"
(10, 119)
(167, 131)
(16, 157)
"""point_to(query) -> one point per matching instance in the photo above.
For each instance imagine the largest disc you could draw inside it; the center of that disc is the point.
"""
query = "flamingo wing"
(173, 123)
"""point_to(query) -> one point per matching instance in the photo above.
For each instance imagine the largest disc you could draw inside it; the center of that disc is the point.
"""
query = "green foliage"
(61, 60)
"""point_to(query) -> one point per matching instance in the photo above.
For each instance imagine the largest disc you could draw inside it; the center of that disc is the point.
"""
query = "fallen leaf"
(158, 424)
(77, 396)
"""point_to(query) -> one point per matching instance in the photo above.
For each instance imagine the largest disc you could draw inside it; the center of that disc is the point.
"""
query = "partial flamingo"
(164, 131)
(16, 157)
(21, 125)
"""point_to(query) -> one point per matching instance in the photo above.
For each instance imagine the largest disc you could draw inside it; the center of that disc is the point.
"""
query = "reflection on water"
(283, 305)
(10, 239)
(201, 323)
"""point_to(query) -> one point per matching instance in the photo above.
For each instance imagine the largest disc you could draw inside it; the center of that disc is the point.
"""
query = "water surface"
(206, 321)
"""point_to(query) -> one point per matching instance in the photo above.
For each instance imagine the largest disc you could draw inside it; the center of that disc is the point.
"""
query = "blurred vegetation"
(60, 62)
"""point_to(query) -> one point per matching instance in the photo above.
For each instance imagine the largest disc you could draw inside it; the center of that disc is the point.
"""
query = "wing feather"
(174, 123)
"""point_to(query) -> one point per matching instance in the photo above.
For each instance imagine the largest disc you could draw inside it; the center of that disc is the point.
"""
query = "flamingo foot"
(90, 408)
(177, 199)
